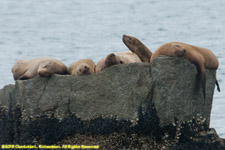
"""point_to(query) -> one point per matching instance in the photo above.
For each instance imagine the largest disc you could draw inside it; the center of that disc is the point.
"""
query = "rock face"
(177, 91)
(144, 98)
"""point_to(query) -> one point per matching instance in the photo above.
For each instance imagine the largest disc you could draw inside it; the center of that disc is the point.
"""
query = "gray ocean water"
(70, 30)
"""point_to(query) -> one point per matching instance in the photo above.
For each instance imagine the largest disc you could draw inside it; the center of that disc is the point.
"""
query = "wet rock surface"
(142, 106)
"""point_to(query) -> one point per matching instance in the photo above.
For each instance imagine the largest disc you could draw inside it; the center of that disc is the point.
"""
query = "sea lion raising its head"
(137, 47)
(44, 67)
(117, 58)
(82, 67)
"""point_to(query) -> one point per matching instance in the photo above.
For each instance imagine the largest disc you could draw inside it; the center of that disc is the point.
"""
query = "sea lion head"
(113, 59)
(137, 47)
(109, 61)
(179, 51)
(131, 42)
(46, 69)
(84, 69)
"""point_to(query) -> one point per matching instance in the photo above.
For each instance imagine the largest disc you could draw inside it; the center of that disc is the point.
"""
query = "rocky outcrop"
(158, 101)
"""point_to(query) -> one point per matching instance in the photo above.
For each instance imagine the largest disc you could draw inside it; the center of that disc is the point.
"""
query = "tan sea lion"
(137, 47)
(117, 58)
(201, 57)
(82, 67)
(45, 67)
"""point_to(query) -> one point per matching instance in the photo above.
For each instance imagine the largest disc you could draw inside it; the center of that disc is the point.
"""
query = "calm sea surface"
(70, 30)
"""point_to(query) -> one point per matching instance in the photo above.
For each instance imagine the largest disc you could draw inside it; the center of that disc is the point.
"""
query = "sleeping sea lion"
(201, 57)
(82, 67)
(117, 58)
(44, 67)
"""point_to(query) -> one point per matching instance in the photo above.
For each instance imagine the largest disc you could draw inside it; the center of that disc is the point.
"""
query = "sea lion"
(44, 67)
(201, 57)
(137, 47)
(117, 58)
(82, 67)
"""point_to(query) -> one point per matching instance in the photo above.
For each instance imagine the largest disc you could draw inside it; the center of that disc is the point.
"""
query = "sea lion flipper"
(201, 70)
(25, 76)
(218, 86)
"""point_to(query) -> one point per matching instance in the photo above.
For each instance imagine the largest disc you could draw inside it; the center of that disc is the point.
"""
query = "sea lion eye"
(121, 62)
(80, 70)
(130, 38)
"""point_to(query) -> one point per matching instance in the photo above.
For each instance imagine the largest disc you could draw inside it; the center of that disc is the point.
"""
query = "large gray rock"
(172, 84)
(136, 97)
